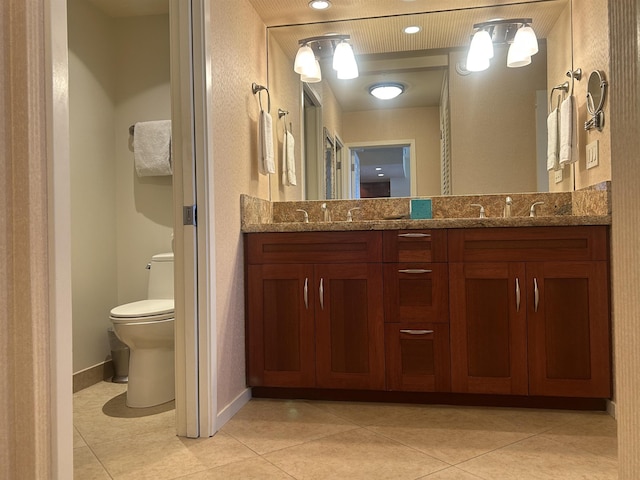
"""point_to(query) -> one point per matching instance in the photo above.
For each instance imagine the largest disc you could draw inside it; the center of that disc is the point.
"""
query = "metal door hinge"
(189, 215)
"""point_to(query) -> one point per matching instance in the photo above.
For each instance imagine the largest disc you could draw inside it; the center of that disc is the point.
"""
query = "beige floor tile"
(451, 473)
(369, 413)
(218, 450)
(541, 458)
(159, 455)
(594, 432)
(267, 425)
(253, 469)
(95, 396)
(356, 454)
(78, 441)
(86, 466)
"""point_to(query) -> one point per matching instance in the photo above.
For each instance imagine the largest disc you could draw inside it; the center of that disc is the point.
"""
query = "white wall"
(119, 74)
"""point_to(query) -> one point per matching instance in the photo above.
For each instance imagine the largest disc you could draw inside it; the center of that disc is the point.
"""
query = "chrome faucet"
(507, 207)
(326, 214)
(350, 215)
(306, 215)
(532, 210)
(481, 209)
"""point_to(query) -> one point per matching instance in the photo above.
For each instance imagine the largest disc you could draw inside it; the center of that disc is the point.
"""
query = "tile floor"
(280, 439)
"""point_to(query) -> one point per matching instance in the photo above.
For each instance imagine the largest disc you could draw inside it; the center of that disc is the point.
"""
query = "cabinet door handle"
(414, 270)
(517, 295)
(536, 294)
(306, 293)
(414, 235)
(321, 291)
(417, 332)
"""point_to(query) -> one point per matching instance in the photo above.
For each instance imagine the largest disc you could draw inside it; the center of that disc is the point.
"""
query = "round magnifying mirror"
(595, 92)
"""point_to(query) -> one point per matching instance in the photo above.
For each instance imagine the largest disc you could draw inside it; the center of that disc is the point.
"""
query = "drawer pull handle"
(517, 295)
(414, 270)
(414, 235)
(321, 290)
(306, 293)
(536, 294)
(417, 332)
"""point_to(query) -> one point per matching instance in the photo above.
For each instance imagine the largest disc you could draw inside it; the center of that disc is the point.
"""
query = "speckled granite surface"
(586, 207)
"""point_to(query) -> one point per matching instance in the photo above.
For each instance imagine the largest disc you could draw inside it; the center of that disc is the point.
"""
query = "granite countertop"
(408, 224)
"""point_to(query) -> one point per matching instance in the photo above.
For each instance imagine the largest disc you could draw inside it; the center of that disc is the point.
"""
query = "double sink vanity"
(513, 308)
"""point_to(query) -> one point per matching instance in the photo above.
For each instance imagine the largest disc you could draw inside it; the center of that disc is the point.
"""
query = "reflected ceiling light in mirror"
(516, 32)
(386, 91)
(412, 29)
(319, 4)
(313, 48)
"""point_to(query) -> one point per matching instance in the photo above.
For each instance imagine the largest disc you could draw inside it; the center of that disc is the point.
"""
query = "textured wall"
(625, 145)
(501, 156)
(419, 124)
(238, 59)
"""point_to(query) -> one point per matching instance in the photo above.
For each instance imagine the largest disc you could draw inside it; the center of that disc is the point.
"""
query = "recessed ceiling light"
(378, 168)
(381, 174)
(320, 4)
(412, 29)
(386, 91)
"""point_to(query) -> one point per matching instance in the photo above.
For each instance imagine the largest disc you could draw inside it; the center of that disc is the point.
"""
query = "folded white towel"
(266, 162)
(552, 140)
(288, 159)
(567, 132)
(152, 148)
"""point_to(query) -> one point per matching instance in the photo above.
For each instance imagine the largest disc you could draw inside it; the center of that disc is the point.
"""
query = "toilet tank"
(161, 276)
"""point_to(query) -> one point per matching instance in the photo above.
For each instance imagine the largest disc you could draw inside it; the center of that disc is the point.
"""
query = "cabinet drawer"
(313, 247)
(415, 246)
(528, 244)
(417, 357)
(416, 292)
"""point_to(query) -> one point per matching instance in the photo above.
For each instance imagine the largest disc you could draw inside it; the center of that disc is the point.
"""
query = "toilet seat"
(152, 310)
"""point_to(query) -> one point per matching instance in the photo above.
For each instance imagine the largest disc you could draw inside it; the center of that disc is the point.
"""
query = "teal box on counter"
(421, 208)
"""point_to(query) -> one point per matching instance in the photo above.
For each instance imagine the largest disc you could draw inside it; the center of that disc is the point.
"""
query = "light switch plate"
(558, 175)
(592, 154)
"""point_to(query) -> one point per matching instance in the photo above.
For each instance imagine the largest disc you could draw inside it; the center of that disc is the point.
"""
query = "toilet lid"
(144, 308)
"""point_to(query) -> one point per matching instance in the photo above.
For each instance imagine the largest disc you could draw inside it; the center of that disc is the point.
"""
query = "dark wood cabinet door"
(349, 326)
(416, 292)
(488, 328)
(568, 322)
(280, 326)
(418, 357)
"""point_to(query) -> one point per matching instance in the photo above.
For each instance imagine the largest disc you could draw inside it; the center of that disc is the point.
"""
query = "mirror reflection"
(473, 132)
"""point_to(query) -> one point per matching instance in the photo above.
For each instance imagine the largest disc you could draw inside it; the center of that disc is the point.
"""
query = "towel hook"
(255, 88)
(282, 113)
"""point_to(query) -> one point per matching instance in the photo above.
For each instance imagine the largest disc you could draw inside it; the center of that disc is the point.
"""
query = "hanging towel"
(266, 163)
(552, 140)
(152, 148)
(288, 159)
(567, 132)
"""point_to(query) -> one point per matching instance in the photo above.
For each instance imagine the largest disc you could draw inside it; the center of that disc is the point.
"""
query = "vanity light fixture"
(312, 49)
(320, 4)
(386, 91)
(516, 32)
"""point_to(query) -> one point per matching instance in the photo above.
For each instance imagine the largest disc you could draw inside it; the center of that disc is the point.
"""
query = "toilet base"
(151, 377)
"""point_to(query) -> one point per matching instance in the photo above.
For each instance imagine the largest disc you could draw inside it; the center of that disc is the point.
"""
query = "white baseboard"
(611, 408)
(234, 407)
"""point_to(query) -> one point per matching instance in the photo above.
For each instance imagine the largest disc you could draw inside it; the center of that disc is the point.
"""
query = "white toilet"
(146, 327)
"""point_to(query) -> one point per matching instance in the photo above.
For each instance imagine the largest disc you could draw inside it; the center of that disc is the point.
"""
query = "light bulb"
(344, 61)
(480, 52)
(305, 60)
(517, 56)
(526, 40)
(313, 76)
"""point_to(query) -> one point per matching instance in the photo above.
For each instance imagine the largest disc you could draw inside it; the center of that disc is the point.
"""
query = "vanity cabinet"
(529, 311)
(315, 310)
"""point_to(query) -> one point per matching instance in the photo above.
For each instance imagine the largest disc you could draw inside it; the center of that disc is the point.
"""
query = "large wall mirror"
(472, 132)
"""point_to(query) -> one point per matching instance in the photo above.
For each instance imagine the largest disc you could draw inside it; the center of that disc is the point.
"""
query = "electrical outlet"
(558, 175)
(592, 154)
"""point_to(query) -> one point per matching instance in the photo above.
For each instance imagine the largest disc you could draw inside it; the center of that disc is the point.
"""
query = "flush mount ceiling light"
(516, 32)
(314, 48)
(386, 91)
(410, 30)
(320, 4)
